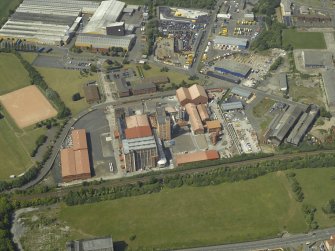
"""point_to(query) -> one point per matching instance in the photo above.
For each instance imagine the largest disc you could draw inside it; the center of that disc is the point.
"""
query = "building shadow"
(89, 146)
(120, 245)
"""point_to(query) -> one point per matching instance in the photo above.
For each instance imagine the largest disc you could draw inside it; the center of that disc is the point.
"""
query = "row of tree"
(6, 211)
(37, 79)
(215, 176)
(295, 187)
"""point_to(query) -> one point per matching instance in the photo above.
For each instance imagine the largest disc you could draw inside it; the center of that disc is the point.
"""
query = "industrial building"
(241, 92)
(282, 124)
(195, 94)
(328, 78)
(163, 124)
(143, 88)
(249, 16)
(226, 77)
(282, 82)
(203, 113)
(317, 59)
(232, 106)
(103, 43)
(122, 88)
(303, 125)
(194, 119)
(97, 244)
(140, 153)
(196, 157)
(92, 94)
(213, 126)
(75, 162)
(241, 43)
(46, 22)
(104, 17)
(231, 67)
(285, 7)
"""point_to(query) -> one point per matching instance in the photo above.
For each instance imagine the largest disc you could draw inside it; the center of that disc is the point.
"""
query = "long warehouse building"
(46, 22)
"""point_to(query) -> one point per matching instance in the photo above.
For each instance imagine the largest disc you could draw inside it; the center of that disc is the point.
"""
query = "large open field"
(189, 216)
(303, 40)
(12, 74)
(5, 7)
(14, 157)
(67, 83)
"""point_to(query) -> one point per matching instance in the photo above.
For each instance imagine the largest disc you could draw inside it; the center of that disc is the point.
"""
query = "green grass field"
(67, 83)
(318, 186)
(175, 77)
(305, 94)
(14, 157)
(12, 74)
(303, 40)
(262, 107)
(5, 7)
(194, 216)
(29, 56)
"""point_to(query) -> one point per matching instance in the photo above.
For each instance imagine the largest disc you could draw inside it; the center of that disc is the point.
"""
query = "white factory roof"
(138, 144)
(230, 41)
(104, 41)
(107, 13)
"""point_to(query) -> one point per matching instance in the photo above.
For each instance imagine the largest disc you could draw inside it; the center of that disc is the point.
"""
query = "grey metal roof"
(232, 106)
(233, 66)
(241, 92)
(329, 84)
(98, 244)
(282, 80)
(103, 41)
(286, 122)
(300, 129)
(161, 115)
(121, 85)
(317, 58)
(231, 41)
(138, 144)
(142, 86)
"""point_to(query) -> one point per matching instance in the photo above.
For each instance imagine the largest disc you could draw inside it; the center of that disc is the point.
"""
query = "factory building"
(122, 87)
(116, 29)
(234, 68)
(97, 244)
(203, 113)
(213, 126)
(282, 82)
(103, 42)
(241, 43)
(163, 124)
(105, 16)
(232, 106)
(303, 125)
(92, 94)
(194, 119)
(317, 59)
(75, 162)
(195, 94)
(188, 158)
(143, 88)
(140, 153)
(46, 22)
(241, 92)
(282, 124)
(328, 78)
(226, 77)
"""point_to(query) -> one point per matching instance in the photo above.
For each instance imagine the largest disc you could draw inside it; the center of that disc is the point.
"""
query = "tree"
(76, 96)
(94, 68)
(146, 67)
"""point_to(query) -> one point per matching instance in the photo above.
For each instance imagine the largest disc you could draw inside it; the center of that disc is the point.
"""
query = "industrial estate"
(227, 101)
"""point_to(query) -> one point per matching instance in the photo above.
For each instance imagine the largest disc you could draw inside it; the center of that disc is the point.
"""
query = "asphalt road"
(293, 240)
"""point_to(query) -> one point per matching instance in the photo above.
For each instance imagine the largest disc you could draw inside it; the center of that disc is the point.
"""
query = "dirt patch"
(27, 106)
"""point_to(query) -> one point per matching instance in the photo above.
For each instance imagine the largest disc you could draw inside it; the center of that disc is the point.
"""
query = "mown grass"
(67, 83)
(303, 40)
(13, 76)
(194, 216)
